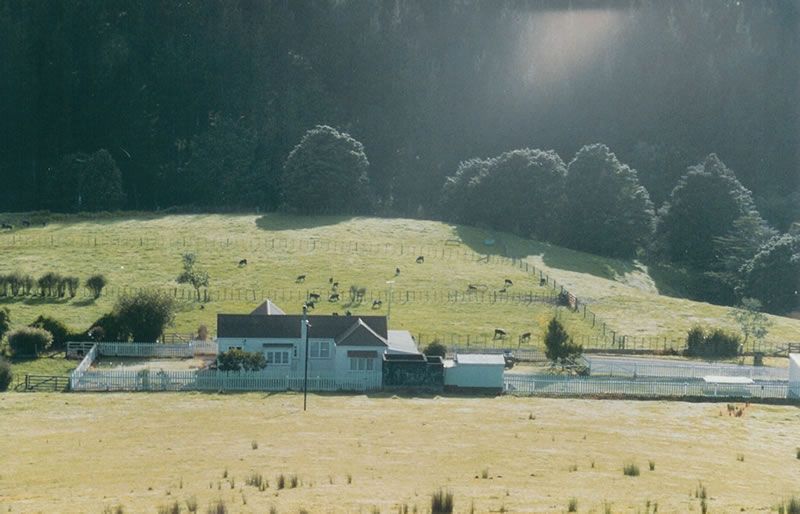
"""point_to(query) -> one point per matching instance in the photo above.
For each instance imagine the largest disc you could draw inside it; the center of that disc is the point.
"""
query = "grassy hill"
(430, 299)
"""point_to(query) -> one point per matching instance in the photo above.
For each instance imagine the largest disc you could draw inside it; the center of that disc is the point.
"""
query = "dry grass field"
(85, 453)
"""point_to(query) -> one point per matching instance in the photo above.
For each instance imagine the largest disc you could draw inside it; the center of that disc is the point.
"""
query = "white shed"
(794, 375)
(474, 371)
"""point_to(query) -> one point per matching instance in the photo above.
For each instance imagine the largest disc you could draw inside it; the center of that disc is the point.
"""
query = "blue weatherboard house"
(339, 347)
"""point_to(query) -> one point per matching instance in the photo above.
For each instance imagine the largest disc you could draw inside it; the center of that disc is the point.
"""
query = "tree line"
(123, 104)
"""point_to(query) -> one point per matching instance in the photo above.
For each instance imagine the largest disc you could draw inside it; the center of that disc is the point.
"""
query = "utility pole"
(389, 303)
(307, 326)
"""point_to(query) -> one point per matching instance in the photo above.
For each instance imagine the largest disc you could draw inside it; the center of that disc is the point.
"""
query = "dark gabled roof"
(360, 334)
(288, 326)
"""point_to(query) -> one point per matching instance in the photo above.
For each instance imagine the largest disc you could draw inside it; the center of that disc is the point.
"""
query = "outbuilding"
(474, 372)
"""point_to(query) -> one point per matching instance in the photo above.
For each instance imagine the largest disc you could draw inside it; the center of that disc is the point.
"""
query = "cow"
(472, 287)
(499, 333)
(542, 282)
(376, 304)
(309, 304)
(313, 296)
(330, 280)
(501, 290)
(300, 279)
(524, 338)
(334, 297)
(334, 314)
(420, 259)
(242, 263)
(396, 271)
(335, 286)
(508, 283)
(348, 313)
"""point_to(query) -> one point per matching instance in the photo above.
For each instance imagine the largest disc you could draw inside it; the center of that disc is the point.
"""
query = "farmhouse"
(339, 347)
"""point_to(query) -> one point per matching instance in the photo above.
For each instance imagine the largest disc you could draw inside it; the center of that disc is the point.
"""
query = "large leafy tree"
(326, 173)
(772, 276)
(518, 191)
(606, 210)
(703, 206)
(144, 316)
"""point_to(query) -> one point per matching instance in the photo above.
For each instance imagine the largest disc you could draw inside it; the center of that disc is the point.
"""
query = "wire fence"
(533, 385)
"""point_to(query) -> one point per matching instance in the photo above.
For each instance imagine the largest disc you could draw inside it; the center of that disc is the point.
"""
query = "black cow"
(508, 283)
(499, 333)
(243, 262)
(420, 259)
(376, 304)
(300, 278)
(524, 338)
(309, 305)
(334, 297)
(313, 296)
(396, 271)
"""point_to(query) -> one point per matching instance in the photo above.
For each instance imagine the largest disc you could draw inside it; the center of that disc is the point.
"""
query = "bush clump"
(60, 332)
(6, 376)
(717, 343)
(29, 341)
(240, 360)
(442, 502)
(95, 284)
(435, 349)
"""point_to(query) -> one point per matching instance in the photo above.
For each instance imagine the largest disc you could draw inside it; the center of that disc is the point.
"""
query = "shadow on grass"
(491, 242)
(277, 222)
(33, 300)
(84, 303)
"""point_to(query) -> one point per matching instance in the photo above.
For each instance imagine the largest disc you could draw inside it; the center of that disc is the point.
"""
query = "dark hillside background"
(195, 97)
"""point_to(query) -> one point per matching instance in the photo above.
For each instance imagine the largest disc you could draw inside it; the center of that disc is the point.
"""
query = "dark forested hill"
(200, 102)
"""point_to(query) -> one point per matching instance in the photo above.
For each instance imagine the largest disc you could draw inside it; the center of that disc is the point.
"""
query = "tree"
(96, 283)
(772, 276)
(29, 341)
(751, 321)
(606, 210)
(145, 315)
(748, 234)
(435, 348)
(326, 173)
(240, 360)
(191, 275)
(559, 347)
(60, 332)
(703, 206)
(84, 182)
(5, 321)
(519, 191)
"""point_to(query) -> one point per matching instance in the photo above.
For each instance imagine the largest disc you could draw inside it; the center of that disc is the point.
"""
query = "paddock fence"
(533, 385)
(631, 368)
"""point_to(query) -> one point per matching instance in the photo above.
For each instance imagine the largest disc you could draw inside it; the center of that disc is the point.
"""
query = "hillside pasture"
(144, 251)
(87, 452)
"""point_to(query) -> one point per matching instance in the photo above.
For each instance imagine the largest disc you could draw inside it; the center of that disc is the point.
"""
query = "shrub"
(48, 284)
(60, 332)
(717, 343)
(191, 275)
(15, 283)
(29, 341)
(572, 505)
(652, 465)
(558, 344)
(239, 360)
(793, 506)
(144, 315)
(27, 284)
(435, 348)
(108, 328)
(191, 504)
(96, 283)
(217, 507)
(5, 321)
(442, 502)
(173, 508)
(630, 470)
(6, 375)
(72, 284)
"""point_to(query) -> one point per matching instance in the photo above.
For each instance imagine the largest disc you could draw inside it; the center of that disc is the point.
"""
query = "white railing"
(159, 380)
(83, 367)
(621, 367)
(569, 386)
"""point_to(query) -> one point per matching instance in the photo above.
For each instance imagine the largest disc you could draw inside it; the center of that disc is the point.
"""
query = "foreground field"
(83, 453)
(137, 251)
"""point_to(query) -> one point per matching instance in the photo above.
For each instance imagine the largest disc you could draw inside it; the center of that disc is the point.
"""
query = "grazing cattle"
(508, 283)
(472, 287)
(6, 226)
(542, 282)
(26, 223)
(334, 314)
(524, 338)
(333, 297)
(335, 286)
(376, 304)
(313, 296)
(502, 290)
(300, 278)
(243, 262)
(348, 313)
(420, 259)
(202, 307)
(330, 280)
(499, 333)
(309, 305)
(396, 271)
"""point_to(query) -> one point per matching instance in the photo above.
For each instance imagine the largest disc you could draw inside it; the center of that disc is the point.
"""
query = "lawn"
(144, 251)
(83, 453)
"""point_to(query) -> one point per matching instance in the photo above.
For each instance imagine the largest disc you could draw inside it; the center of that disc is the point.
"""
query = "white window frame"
(362, 364)
(319, 350)
(277, 357)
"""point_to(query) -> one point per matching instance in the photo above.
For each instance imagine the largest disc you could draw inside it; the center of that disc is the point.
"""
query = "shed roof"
(480, 358)
(400, 341)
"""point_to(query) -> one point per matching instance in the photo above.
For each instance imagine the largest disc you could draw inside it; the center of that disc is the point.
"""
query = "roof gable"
(268, 308)
(360, 334)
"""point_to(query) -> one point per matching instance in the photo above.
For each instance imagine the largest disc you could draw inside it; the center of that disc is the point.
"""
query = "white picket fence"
(533, 385)
(158, 350)
(159, 380)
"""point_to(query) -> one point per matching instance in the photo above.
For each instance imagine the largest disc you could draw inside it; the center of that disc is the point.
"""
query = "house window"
(361, 364)
(278, 357)
(320, 350)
